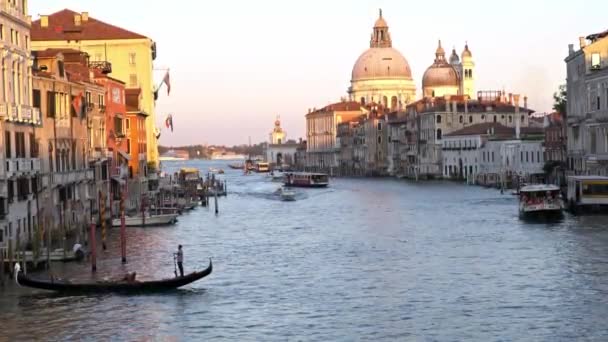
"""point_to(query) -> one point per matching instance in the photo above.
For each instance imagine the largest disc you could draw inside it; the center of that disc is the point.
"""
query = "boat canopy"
(539, 188)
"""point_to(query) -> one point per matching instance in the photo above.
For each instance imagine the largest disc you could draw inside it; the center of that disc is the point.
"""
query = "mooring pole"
(92, 242)
(123, 238)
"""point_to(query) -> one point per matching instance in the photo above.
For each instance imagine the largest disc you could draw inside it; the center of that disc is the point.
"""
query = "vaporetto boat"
(540, 200)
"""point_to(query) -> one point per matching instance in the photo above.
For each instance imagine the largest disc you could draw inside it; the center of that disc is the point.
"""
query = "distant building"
(175, 155)
(279, 151)
(587, 112)
(321, 132)
(491, 154)
(450, 78)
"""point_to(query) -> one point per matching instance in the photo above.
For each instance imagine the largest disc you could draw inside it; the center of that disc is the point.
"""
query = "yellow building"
(128, 56)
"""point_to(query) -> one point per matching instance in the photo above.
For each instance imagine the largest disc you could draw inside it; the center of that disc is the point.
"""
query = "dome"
(380, 23)
(438, 75)
(454, 59)
(381, 63)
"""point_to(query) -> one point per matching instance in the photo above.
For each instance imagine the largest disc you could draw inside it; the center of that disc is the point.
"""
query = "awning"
(124, 155)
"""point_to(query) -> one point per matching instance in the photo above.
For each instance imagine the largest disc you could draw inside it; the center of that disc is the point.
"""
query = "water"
(361, 260)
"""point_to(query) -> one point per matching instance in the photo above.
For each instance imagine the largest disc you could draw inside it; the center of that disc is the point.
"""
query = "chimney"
(44, 21)
(570, 49)
(447, 103)
(582, 42)
(85, 17)
(454, 106)
(510, 99)
(466, 105)
(516, 102)
(525, 102)
(77, 19)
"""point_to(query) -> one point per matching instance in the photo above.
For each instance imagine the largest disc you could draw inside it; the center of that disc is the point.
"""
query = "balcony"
(102, 108)
(25, 114)
(3, 110)
(71, 177)
(104, 66)
(13, 114)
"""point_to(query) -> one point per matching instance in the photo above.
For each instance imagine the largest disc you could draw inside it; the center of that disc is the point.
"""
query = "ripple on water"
(365, 259)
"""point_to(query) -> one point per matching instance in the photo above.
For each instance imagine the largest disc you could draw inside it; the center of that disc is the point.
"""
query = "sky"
(237, 64)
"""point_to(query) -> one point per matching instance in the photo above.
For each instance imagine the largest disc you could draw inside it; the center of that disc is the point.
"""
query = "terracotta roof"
(61, 27)
(339, 107)
(49, 53)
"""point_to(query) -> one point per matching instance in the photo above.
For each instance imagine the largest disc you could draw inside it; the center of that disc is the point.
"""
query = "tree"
(560, 98)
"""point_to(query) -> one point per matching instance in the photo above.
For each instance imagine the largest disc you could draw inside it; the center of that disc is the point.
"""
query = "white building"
(19, 161)
(491, 153)
(587, 86)
(279, 151)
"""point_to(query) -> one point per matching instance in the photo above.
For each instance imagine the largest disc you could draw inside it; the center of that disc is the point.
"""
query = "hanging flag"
(167, 81)
(169, 122)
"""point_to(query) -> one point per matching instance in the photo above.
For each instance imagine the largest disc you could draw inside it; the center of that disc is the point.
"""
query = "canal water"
(365, 259)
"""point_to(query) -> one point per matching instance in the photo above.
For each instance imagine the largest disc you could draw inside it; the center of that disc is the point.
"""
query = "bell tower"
(468, 72)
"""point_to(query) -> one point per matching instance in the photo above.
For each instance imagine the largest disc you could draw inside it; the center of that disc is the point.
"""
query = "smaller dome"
(439, 75)
(466, 53)
(454, 59)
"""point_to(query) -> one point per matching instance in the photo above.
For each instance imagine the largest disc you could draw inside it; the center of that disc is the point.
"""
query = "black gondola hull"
(115, 286)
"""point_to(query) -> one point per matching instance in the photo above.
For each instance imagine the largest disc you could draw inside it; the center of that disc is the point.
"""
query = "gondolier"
(180, 260)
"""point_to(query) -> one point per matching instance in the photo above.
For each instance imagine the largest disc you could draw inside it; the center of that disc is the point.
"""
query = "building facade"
(124, 55)
(321, 131)
(587, 110)
(455, 77)
(279, 151)
(19, 146)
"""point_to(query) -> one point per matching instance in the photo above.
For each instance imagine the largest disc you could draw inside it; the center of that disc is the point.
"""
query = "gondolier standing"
(180, 260)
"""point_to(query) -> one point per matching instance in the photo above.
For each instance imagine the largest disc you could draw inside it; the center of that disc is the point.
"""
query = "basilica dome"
(381, 63)
(440, 73)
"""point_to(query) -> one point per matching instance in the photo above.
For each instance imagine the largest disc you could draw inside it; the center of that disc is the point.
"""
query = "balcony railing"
(3, 110)
(70, 177)
(104, 66)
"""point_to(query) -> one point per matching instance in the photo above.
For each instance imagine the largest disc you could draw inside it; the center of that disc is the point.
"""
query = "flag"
(167, 81)
(169, 122)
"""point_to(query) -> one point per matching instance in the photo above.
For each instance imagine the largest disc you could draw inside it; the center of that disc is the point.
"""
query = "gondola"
(121, 286)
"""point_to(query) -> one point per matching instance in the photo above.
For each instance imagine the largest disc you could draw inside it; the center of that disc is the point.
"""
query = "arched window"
(439, 134)
(385, 101)
(510, 118)
(362, 100)
(461, 119)
(394, 102)
(523, 118)
(433, 94)
(495, 118)
(470, 118)
(438, 118)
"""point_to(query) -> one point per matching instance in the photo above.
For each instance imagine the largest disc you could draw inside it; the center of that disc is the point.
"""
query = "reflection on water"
(362, 259)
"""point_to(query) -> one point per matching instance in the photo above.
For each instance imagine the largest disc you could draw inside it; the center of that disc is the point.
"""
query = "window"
(470, 118)
(460, 119)
(527, 159)
(510, 118)
(379, 139)
(36, 98)
(538, 157)
(129, 146)
(595, 61)
(495, 118)
(133, 80)
(12, 36)
(61, 68)
(132, 58)
(27, 42)
(19, 144)
(7, 144)
(88, 98)
(128, 125)
(438, 118)
(379, 125)
(523, 118)
(598, 102)
(33, 146)
(492, 156)
(439, 134)
(521, 156)
(532, 157)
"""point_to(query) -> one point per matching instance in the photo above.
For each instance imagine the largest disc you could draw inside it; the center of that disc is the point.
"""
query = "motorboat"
(147, 220)
(286, 194)
(542, 200)
(306, 179)
(127, 284)
(276, 176)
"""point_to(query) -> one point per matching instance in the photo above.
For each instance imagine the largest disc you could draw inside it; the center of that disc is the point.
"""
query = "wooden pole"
(103, 219)
(48, 246)
(123, 238)
(217, 210)
(92, 242)
(1, 267)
